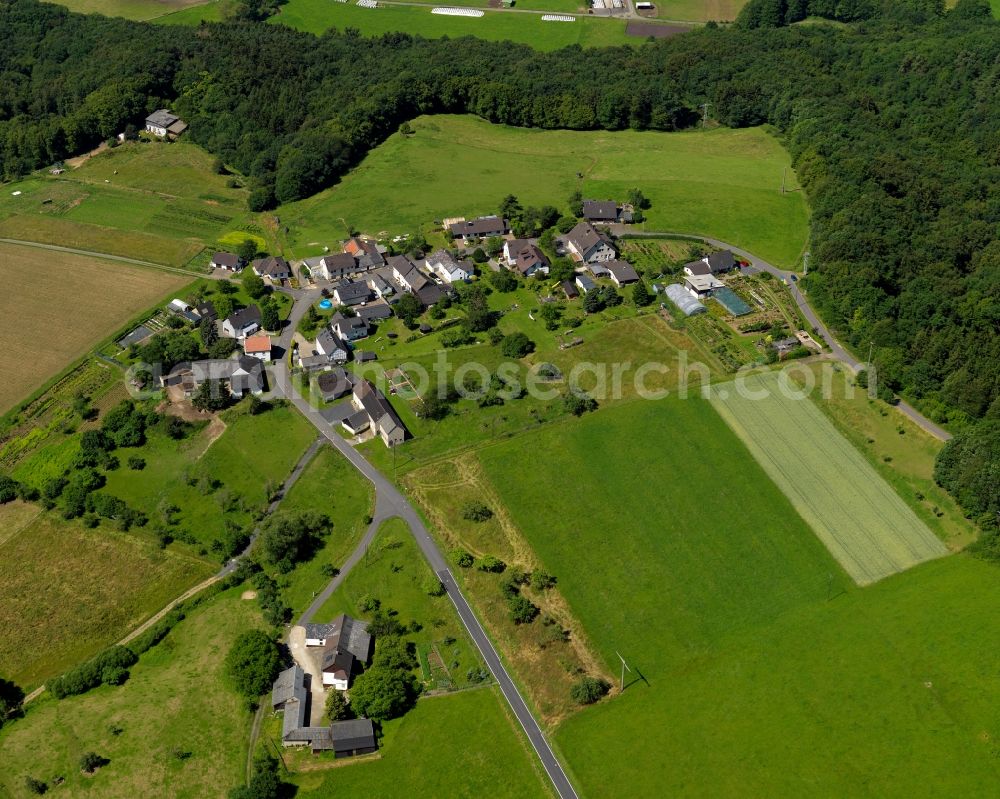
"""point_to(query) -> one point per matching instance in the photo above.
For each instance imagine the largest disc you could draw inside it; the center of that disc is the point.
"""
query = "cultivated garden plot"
(858, 516)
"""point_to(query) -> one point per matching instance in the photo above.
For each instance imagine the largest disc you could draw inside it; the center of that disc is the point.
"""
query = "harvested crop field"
(858, 516)
(63, 304)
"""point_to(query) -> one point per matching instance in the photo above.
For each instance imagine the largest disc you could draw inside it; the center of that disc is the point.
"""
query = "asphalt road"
(389, 503)
(839, 351)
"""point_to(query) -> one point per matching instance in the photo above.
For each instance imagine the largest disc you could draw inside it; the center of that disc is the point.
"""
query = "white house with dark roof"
(714, 264)
(586, 244)
(165, 124)
(240, 375)
(351, 292)
(600, 211)
(446, 267)
(226, 260)
(406, 274)
(273, 268)
(349, 328)
(343, 641)
(621, 273)
(374, 412)
(240, 324)
(329, 345)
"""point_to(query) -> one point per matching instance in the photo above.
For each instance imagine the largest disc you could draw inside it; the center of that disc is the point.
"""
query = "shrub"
(462, 559)
(589, 690)
(517, 345)
(35, 786)
(252, 663)
(522, 609)
(492, 564)
(542, 580)
(91, 761)
(476, 512)
(433, 587)
(136, 464)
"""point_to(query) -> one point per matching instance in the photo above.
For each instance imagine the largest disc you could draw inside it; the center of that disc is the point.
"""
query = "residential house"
(587, 245)
(714, 264)
(406, 274)
(700, 286)
(316, 360)
(584, 283)
(600, 211)
(331, 346)
(598, 270)
(351, 293)
(366, 252)
(374, 312)
(481, 228)
(241, 323)
(622, 273)
(206, 310)
(273, 268)
(258, 346)
(511, 248)
(380, 287)
(442, 264)
(530, 260)
(226, 260)
(333, 384)
(334, 266)
(344, 641)
(783, 346)
(375, 413)
(349, 328)
(431, 293)
(165, 124)
(240, 375)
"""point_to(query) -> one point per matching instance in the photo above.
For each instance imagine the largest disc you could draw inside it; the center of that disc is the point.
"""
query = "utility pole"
(704, 114)
(805, 264)
(784, 171)
(624, 669)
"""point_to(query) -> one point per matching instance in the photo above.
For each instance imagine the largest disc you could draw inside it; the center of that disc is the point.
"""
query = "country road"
(389, 503)
(790, 278)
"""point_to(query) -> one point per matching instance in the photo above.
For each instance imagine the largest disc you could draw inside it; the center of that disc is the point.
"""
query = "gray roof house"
(588, 246)
(374, 312)
(289, 685)
(333, 384)
(375, 412)
(600, 210)
(226, 260)
(584, 283)
(714, 264)
(349, 328)
(242, 375)
(241, 323)
(479, 228)
(351, 293)
(330, 346)
(273, 268)
(621, 272)
(165, 124)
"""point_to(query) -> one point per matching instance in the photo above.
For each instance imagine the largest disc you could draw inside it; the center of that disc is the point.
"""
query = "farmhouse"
(273, 268)
(600, 211)
(366, 252)
(622, 273)
(330, 346)
(349, 328)
(351, 293)
(344, 738)
(165, 124)
(374, 412)
(481, 228)
(442, 264)
(714, 264)
(587, 245)
(343, 641)
(226, 260)
(258, 346)
(241, 323)
(333, 384)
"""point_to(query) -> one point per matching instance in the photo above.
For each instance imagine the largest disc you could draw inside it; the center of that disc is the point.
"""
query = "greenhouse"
(683, 300)
(731, 301)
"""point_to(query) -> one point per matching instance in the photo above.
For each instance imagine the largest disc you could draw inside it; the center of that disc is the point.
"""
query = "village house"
(442, 264)
(165, 124)
(334, 266)
(530, 260)
(333, 384)
(366, 252)
(330, 346)
(351, 293)
(344, 641)
(239, 375)
(374, 312)
(585, 244)
(714, 264)
(273, 268)
(315, 361)
(258, 346)
(621, 273)
(481, 228)
(349, 328)
(406, 274)
(380, 287)
(601, 211)
(700, 286)
(240, 324)
(206, 310)
(226, 260)
(375, 413)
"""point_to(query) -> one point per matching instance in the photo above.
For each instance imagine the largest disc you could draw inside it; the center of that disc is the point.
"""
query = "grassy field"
(756, 661)
(462, 745)
(147, 200)
(723, 183)
(394, 572)
(130, 9)
(183, 733)
(329, 485)
(864, 523)
(66, 304)
(69, 591)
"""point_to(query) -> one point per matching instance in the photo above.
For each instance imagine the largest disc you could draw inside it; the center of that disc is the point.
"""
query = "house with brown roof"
(481, 228)
(530, 260)
(601, 211)
(229, 261)
(273, 268)
(343, 642)
(621, 273)
(365, 251)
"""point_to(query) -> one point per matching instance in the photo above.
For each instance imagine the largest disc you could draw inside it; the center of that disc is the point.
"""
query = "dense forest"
(892, 122)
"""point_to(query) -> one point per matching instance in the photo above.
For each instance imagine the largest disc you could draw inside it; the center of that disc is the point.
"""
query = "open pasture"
(722, 183)
(858, 516)
(64, 304)
(68, 591)
(174, 729)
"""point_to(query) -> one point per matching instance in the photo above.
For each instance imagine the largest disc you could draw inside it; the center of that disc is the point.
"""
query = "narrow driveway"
(839, 351)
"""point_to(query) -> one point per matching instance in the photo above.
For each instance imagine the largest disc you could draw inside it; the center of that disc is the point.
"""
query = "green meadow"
(173, 729)
(758, 667)
(722, 183)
